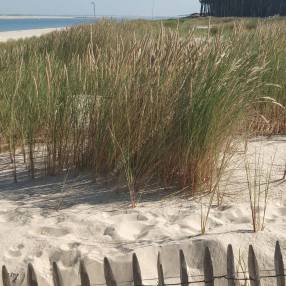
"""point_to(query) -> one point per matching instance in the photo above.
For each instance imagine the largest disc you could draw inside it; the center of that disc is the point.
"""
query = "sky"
(103, 7)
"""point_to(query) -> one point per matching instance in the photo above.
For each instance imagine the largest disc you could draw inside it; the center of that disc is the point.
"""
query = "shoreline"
(15, 17)
(24, 34)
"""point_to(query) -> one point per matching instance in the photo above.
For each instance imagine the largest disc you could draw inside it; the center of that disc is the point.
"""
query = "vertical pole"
(84, 278)
(279, 265)
(230, 266)
(57, 279)
(253, 268)
(137, 279)
(108, 274)
(183, 270)
(93, 5)
(160, 271)
(208, 268)
(5, 276)
(31, 276)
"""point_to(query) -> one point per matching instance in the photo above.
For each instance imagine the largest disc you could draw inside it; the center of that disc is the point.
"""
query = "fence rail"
(253, 276)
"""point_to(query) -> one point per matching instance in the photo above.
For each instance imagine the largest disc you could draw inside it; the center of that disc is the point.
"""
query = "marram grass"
(137, 102)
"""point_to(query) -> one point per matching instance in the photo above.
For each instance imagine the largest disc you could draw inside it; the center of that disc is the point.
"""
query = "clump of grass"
(212, 187)
(131, 100)
(269, 111)
(258, 188)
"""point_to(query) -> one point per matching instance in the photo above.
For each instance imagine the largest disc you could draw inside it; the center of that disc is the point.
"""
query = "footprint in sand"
(67, 254)
(55, 255)
(237, 216)
(110, 230)
(74, 244)
(52, 231)
(21, 216)
(38, 253)
(141, 217)
(281, 212)
(15, 251)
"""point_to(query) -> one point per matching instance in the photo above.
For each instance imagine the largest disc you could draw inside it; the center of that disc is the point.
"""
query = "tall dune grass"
(270, 43)
(138, 102)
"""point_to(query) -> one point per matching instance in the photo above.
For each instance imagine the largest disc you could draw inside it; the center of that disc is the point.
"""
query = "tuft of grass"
(139, 100)
(258, 187)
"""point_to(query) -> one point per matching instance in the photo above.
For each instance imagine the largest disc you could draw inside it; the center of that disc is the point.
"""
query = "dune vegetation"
(141, 101)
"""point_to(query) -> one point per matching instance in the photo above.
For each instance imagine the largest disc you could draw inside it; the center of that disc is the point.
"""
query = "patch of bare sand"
(24, 34)
(64, 220)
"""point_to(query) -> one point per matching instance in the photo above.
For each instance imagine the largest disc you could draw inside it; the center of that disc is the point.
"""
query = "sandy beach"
(23, 34)
(68, 218)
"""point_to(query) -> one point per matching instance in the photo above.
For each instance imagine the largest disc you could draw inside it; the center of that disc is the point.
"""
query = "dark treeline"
(243, 8)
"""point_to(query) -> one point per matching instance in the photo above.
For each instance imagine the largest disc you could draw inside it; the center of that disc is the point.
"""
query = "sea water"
(41, 23)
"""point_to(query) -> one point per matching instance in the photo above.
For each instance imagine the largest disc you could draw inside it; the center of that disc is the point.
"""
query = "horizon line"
(96, 16)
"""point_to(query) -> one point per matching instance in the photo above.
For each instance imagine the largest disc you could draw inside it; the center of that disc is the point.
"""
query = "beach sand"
(73, 217)
(23, 34)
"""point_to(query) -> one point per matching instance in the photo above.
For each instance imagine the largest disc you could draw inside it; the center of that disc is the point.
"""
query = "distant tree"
(243, 8)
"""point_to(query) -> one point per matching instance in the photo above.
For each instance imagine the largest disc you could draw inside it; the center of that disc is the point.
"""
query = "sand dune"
(46, 220)
(23, 34)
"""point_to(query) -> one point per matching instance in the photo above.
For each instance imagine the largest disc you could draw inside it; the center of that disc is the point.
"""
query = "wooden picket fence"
(209, 278)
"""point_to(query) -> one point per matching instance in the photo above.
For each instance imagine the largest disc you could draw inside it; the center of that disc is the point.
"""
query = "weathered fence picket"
(160, 272)
(57, 279)
(5, 276)
(84, 278)
(209, 277)
(253, 268)
(208, 268)
(31, 276)
(279, 265)
(108, 274)
(137, 279)
(183, 269)
(230, 266)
